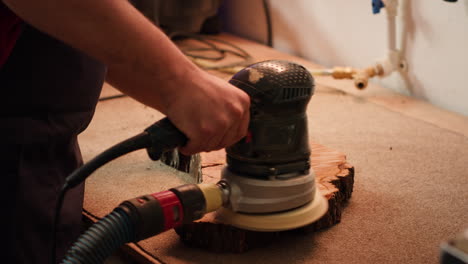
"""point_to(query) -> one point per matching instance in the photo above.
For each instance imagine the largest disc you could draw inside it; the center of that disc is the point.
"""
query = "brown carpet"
(410, 190)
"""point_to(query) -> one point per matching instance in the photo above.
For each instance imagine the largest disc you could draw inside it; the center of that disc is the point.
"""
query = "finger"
(194, 144)
(190, 148)
(207, 137)
(213, 143)
(244, 127)
(228, 138)
(221, 129)
(237, 132)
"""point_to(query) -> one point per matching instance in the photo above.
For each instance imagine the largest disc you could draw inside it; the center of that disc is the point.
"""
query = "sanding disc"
(285, 220)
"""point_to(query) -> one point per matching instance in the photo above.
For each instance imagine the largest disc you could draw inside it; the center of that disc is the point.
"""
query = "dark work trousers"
(48, 93)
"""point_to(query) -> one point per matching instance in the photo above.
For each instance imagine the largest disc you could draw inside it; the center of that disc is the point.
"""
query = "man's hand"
(212, 113)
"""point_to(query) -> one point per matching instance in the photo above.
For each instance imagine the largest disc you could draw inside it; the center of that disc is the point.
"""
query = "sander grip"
(164, 137)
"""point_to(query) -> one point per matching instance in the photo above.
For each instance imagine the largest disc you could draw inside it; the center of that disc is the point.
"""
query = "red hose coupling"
(172, 209)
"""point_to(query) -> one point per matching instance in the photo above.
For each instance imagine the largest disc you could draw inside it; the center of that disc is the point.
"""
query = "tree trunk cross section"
(334, 178)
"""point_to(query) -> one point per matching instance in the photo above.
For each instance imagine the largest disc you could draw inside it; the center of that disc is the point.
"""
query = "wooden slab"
(334, 177)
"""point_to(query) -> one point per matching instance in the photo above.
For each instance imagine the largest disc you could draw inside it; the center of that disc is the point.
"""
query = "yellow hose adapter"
(213, 196)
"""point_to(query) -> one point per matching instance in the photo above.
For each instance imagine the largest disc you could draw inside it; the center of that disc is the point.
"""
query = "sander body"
(268, 173)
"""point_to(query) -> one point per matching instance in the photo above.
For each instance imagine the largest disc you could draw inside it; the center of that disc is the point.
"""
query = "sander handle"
(164, 136)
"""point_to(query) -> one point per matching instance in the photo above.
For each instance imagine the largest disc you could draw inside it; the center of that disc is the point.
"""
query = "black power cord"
(110, 97)
(266, 8)
(158, 138)
(79, 175)
(212, 45)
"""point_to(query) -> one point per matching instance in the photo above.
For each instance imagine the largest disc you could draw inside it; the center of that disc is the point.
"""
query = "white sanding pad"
(285, 220)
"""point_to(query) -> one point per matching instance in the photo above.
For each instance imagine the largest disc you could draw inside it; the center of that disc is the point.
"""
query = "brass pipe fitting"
(360, 76)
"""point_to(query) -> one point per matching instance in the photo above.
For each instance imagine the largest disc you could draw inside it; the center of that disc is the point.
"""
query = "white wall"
(346, 33)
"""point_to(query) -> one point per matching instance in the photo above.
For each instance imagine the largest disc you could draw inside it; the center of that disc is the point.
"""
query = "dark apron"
(48, 93)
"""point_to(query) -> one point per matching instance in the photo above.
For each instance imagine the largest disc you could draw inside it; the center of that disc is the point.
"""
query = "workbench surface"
(411, 175)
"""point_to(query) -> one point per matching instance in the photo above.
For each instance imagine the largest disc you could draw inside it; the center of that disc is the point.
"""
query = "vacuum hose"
(102, 239)
(145, 216)
(160, 137)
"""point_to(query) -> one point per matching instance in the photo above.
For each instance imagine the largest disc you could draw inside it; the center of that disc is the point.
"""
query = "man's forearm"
(145, 64)
(135, 51)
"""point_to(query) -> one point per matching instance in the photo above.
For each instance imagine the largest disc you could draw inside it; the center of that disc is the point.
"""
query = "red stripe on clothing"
(10, 29)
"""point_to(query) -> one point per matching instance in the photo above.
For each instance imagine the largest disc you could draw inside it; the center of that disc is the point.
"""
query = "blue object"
(377, 5)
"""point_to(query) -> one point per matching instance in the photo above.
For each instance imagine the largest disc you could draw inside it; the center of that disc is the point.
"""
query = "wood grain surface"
(334, 177)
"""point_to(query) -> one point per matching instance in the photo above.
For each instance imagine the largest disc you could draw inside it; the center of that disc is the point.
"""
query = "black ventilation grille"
(295, 93)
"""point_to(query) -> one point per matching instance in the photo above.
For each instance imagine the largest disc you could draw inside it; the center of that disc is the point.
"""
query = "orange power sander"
(267, 184)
